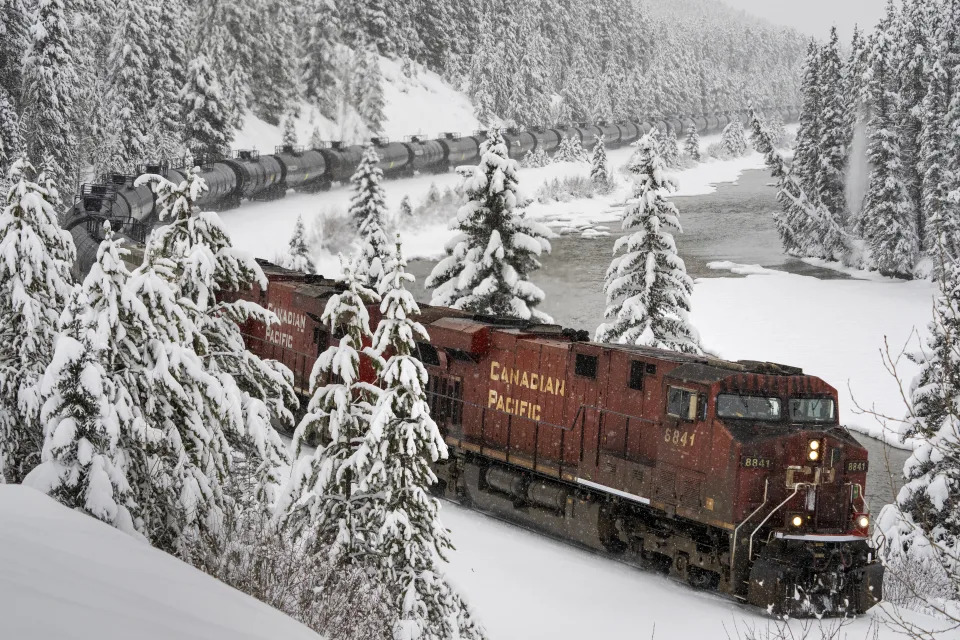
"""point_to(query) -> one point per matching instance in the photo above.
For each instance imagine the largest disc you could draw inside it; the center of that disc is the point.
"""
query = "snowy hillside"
(64, 575)
(424, 104)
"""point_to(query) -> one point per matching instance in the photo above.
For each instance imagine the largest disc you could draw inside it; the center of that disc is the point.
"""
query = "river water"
(732, 224)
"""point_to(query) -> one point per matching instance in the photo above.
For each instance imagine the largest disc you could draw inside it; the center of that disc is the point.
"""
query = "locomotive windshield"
(812, 410)
(748, 407)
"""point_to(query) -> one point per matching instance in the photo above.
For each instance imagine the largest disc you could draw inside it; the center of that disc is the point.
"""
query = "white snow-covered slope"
(66, 576)
(524, 586)
(424, 104)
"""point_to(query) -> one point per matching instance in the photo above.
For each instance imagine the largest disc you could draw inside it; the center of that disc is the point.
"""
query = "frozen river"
(733, 224)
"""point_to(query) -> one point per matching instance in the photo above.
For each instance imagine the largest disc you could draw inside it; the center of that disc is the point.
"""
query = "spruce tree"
(401, 444)
(320, 501)
(274, 71)
(671, 151)
(9, 134)
(15, 23)
(734, 140)
(368, 98)
(128, 98)
(82, 464)
(290, 130)
(599, 171)
(923, 527)
(805, 158)
(570, 150)
(406, 209)
(259, 393)
(207, 128)
(368, 210)
(692, 145)
(488, 263)
(316, 139)
(834, 132)
(887, 218)
(297, 256)
(34, 288)
(48, 118)
(648, 289)
(318, 71)
(853, 81)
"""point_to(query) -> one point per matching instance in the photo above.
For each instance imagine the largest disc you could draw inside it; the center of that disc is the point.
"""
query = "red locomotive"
(730, 475)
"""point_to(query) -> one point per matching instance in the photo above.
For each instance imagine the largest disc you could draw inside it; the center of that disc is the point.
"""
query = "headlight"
(863, 521)
(797, 521)
(814, 455)
(814, 444)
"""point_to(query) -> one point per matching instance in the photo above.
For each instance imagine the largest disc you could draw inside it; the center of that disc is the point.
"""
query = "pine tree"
(924, 524)
(274, 73)
(34, 288)
(206, 121)
(9, 134)
(853, 81)
(734, 140)
(14, 38)
(127, 87)
(889, 223)
(488, 263)
(317, 75)
(297, 256)
(258, 393)
(320, 501)
(82, 464)
(397, 451)
(834, 134)
(48, 119)
(648, 289)
(368, 98)
(316, 139)
(692, 145)
(406, 209)
(290, 131)
(599, 171)
(671, 151)
(570, 150)
(809, 135)
(535, 158)
(368, 210)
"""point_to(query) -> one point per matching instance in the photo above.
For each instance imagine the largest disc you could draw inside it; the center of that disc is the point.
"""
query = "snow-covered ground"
(449, 110)
(66, 576)
(525, 586)
(834, 329)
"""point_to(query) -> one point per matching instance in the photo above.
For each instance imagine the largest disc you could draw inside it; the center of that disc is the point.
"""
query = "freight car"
(248, 175)
(733, 476)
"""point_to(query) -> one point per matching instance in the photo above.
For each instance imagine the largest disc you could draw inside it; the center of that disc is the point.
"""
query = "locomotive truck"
(734, 476)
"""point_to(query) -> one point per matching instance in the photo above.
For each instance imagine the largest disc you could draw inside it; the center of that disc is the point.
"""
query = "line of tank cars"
(249, 175)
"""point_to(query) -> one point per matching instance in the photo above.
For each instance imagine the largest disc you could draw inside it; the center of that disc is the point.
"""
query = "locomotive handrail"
(796, 490)
(733, 552)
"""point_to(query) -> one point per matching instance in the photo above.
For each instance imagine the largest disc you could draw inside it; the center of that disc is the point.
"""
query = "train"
(249, 175)
(731, 476)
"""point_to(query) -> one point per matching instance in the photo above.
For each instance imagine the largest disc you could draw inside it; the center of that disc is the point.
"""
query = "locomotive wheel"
(702, 579)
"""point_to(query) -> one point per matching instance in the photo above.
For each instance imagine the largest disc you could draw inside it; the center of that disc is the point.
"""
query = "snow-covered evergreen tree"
(692, 144)
(834, 134)
(734, 139)
(48, 119)
(397, 451)
(570, 150)
(82, 464)
(648, 289)
(290, 131)
(368, 97)
(599, 171)
(488, 263)
(320, 501)
(15, 22)
(671, 150)
(274, 73)
(9, 134)
(318, 73)
(128, 98)
(406, 209)
(316, 139)
(887, 219)
(535, 158)
(805, 159)
(258, 393)
(207, 128)
(368, 210)
(923, 526)
(34, 288)
(297, 256)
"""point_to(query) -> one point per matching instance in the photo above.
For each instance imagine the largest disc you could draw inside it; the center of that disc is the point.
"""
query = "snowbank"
(424, 104)
(832, 328)
(67, 576)
(529, 587)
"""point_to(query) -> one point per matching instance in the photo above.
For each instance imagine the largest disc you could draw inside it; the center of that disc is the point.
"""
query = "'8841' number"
(679, 438)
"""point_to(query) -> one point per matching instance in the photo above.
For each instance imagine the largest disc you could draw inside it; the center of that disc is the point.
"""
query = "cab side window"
(684, 404)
